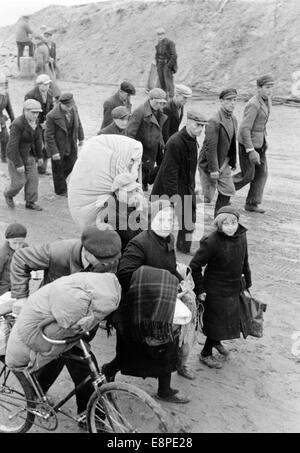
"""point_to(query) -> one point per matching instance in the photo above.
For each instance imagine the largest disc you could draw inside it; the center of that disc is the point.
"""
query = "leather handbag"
(251, 315)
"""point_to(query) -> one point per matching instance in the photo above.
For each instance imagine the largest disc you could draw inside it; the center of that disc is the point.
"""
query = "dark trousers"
(186, 216)
(165, 77)
(78, 371)
(29, 180)
(21, 46)
(209, 344)
(256, 175)
(61, 170)
(222, 200)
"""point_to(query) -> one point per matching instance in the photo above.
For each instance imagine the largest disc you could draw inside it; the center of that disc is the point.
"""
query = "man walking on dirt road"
(166, 62)
(253, 144)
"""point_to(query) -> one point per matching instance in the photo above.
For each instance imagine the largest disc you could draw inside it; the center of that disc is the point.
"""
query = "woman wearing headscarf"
(106, 164)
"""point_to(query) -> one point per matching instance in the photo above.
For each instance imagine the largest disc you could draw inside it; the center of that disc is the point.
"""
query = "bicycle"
(114, 407)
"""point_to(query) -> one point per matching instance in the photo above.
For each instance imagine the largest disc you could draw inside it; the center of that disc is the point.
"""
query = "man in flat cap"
(253, 144)
(218, 154)
(41, 93)
(98, 250)
(63, 135)
(5, 104)
(120, 116)
(120, 98)
(176, 176)
(145, 125)
(166, 62)
(23, 37)
(174, 110)
(24, 151)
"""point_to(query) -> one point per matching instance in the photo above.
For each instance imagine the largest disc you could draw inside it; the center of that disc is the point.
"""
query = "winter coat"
(41, 58)
(176, 175)
(56, 133)
(23, 141)
(226, 259)
(84, 297)
(57, 259)
(112, 129)
(110, 104)
(217, 145)
(174, 119)
(143, 126)
(23, 31)
(166, 52)
(252, 130)
(47, 106)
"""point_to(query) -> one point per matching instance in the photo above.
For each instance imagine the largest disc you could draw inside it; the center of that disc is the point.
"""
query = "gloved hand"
(215, 175)
(254, 157)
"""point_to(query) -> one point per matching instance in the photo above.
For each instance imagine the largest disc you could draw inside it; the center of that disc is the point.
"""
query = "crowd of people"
(125, 188)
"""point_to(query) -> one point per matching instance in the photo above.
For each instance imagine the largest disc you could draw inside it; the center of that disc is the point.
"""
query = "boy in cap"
(120, 116)
(174, 110)
(146, 125)
(15, 235)
(218, 154)
(166, 61)
(41, 93)
(24, 151)
(120, 98)
(176, 176)
(63, 135)
(253, 145)
(4, 104)
(98, 250)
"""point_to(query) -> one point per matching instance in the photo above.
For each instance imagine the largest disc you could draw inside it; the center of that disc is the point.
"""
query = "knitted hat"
(15, 230)
(105, 245)
(228, 210)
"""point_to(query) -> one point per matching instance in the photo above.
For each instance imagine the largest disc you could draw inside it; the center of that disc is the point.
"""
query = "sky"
(11, 10)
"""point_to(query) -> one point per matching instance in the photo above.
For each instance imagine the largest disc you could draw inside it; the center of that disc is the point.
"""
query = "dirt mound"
(106, 42)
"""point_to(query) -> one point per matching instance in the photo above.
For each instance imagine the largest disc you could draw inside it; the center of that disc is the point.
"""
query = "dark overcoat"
(5, 104)
(36, 94)
(226, 259)
(177, 171)
(139, 358)
(166, 50)
(174, 119)
(110, 104)
(217, 145)
(23, 140)
(143, 126)
(56, 134)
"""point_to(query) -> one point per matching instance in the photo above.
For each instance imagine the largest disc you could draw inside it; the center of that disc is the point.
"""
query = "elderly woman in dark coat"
(152, 250)
(224, 253)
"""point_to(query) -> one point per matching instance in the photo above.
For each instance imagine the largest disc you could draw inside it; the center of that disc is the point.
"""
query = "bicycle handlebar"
(66, 340)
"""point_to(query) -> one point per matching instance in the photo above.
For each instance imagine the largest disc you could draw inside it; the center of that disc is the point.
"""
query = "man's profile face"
(44, 87)
(160, 36)
(266, 91)
(229, 104)
(122, 122)
(157, 104)
(180, 100)
(31, 115)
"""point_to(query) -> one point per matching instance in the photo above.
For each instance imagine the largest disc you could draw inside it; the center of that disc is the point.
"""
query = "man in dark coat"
(52, 48)
(176, 176)
(5, 104)
(23, 38)
(41, 94)
(253, 145)
(24, 148)
(218, 153)
(58, 259)
(145, 125)
(121, 97)
(174, 110)
(120, 116)
(63, 130)
(166, 62)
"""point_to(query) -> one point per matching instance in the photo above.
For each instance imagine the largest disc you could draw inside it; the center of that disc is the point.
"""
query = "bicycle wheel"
(16, 396)
(128, 409)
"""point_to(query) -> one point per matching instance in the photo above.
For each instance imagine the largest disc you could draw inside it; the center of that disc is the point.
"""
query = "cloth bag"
(6, 324)
(251, 315)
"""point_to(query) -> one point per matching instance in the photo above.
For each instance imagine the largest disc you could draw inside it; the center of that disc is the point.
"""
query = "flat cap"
(158, 94)
(195, 115)
(33, 105)
(160, 31)
(229, 93)
(105, 245)
(66, 98)
(119, 112)
(183, 90)
(265, 80)
(43, 78)
(48, 32)
(127, 87)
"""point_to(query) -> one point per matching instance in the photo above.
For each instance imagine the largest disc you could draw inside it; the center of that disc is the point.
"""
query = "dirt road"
(258, 388)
